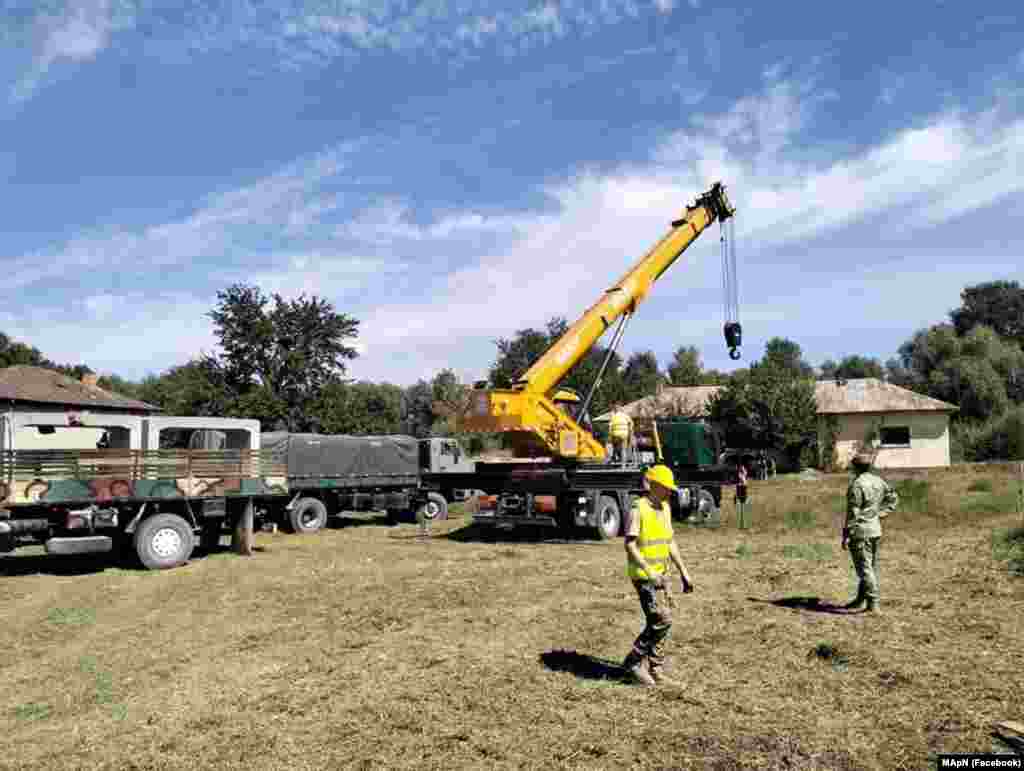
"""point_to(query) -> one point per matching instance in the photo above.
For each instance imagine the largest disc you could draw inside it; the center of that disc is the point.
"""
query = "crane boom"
(539, 427)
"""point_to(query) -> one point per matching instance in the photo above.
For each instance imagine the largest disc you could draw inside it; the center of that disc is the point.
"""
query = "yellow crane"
(528, 410)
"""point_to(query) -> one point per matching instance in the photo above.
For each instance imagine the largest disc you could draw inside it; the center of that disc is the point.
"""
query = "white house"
(903, 429)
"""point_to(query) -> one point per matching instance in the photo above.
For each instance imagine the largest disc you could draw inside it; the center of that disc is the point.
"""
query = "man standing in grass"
(650, 543)
(869, 499)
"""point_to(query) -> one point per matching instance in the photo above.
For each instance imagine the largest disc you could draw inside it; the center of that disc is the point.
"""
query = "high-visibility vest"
(619, 426)
(654, 539)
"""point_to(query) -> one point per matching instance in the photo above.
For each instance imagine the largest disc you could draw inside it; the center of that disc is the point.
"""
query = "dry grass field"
(366, 647)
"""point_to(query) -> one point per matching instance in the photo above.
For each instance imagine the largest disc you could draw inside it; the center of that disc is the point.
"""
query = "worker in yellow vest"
(650, 544)
(620, 430)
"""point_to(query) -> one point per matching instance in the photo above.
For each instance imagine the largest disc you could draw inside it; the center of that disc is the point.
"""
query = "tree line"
(285, 363)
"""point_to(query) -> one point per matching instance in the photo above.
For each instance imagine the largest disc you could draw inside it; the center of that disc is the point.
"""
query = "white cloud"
(78, 34)
(665, 6)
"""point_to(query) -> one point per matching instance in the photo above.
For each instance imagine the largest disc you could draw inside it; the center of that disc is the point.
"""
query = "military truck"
(399, 475)
(153, 485)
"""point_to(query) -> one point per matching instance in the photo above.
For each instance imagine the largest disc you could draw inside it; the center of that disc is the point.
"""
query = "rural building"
(905, 429)
(41, 409)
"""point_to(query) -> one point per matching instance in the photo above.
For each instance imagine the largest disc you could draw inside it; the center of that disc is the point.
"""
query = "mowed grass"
(366, 646)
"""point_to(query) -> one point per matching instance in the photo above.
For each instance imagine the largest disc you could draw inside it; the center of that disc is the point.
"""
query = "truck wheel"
(308, 515)
(609, 518)
(433, 509)
(164, 541)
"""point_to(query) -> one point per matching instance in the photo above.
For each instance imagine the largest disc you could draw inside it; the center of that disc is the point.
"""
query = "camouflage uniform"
(868, 499)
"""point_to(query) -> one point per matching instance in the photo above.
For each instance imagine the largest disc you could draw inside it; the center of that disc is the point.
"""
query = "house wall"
(929, 438)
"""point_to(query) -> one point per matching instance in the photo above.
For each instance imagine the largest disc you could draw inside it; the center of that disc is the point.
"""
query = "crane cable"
(730, 289)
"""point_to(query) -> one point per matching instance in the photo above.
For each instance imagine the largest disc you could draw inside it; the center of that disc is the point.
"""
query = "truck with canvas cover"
(154, 485)
(330, 474)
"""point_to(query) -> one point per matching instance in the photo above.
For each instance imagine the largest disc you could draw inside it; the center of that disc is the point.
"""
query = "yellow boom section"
(540, 427)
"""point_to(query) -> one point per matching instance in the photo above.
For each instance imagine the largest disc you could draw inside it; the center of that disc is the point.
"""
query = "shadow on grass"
(813, 604)
(54, 565)
(91, 564)
(348, 519)
(581, 665)
(486, 533)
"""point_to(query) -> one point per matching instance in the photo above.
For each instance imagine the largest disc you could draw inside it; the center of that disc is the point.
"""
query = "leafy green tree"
(357, 408)
(13, 353)
(851, 368)
(980, 372)
(686, 368)
(767, 408)
(787, 356)
(515, 356)
(195, 388)
(998, 305)
(292, 350)
(417, 412)
(642, 376)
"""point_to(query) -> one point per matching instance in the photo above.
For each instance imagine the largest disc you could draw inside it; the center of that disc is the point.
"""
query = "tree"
(998, 305)
(786, 356)
(13, 354)
(291, 351)
(686, 368)
(851, 368)
(765, 407)
(979, 372)
(357, 408)
(450, 403)
(195, 388)
(642, 376)
(417, 413)
(517, 354)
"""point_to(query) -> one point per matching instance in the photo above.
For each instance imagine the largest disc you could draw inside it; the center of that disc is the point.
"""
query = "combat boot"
(856, 602)
(635, 671)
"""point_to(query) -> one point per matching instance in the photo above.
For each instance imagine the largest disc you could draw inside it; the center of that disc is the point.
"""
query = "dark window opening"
(895, 436)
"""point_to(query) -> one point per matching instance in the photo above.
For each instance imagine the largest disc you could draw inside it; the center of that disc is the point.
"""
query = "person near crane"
(650, 544)
(620, 430)
(869, 499)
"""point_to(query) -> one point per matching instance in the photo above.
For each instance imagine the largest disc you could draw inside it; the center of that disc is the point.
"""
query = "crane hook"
(733, 338)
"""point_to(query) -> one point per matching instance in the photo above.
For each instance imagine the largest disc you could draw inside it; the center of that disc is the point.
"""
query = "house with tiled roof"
(42, 409)
(903, 429)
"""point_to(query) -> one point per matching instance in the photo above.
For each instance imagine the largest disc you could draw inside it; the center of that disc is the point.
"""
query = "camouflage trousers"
(864, 553)
(658, 621)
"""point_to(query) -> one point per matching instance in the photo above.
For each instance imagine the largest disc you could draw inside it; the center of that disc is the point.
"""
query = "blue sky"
(451, 171)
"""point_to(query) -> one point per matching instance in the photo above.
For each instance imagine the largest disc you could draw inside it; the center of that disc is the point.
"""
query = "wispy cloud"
(78, 32)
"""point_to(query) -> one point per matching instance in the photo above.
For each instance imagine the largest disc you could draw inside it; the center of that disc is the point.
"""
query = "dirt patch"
(363, 648)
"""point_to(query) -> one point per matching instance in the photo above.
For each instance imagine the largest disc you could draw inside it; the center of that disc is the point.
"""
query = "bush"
(1008, 546)
(913, 494)
(812, 551)
(999, 438)
(801, 519)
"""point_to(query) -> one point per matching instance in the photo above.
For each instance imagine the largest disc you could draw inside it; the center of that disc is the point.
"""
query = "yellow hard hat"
(661, 475)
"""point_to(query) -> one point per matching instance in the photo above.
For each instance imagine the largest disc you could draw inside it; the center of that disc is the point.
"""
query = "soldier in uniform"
(869, 499)
(650, 544)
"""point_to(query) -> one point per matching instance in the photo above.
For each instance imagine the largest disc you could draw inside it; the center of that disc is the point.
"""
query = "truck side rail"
(45, 476)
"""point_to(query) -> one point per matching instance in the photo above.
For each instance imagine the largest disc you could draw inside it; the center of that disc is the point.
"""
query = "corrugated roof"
(676, 400)
(867, 395)
(872, 395)
(35, 384)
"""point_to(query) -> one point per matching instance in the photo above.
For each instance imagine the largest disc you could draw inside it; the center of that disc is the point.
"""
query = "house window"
(895, 436)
